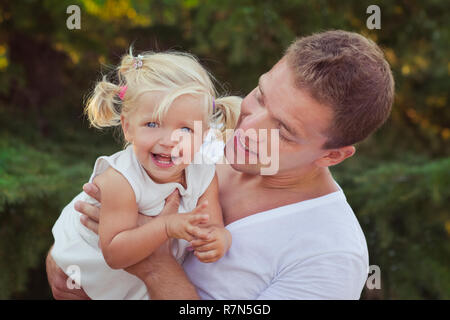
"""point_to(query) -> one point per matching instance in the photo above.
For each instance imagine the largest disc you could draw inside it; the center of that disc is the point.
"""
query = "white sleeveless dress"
(76, 248)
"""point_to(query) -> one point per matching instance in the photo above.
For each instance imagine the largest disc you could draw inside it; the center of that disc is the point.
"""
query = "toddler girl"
(163, 103)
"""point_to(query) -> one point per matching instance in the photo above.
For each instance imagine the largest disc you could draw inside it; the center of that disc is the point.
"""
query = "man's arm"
(57, 280)
(164, 277)
(169, 282)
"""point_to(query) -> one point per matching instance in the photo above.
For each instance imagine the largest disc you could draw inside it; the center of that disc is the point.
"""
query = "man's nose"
(256, 119)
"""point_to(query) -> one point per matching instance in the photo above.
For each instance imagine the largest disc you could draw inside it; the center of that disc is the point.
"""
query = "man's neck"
(244, 194)
(311, 182)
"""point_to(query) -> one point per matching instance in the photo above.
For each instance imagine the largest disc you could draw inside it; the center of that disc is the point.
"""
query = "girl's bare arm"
(219, 238)
(122, 243)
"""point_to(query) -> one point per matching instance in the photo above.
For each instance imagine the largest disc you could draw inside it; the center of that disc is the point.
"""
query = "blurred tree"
(397, 183)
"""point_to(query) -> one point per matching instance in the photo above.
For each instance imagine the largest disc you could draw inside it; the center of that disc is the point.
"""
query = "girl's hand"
(215, 247)
(185, 225)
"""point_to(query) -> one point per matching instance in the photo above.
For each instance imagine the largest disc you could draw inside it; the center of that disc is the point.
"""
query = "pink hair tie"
(122, 91)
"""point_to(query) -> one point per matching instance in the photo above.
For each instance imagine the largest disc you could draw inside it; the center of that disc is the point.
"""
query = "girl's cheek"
(149, 136)
(189, 150)
(196, 147)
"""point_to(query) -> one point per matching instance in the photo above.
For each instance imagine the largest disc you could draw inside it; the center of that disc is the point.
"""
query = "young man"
(294, 234)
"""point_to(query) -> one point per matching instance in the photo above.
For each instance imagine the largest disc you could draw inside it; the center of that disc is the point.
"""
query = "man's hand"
(57, 280)
(215, 247)
(90, 213)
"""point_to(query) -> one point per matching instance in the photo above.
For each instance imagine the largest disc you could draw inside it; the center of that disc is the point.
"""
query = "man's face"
(277, 104)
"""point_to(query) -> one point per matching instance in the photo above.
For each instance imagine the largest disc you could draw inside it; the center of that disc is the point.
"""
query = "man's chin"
(252, 169)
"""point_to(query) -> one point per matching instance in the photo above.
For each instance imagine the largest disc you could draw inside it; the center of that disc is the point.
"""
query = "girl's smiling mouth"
(162, 160)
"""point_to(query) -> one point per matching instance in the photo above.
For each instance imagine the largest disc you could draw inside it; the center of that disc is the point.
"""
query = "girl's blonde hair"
(173, 73)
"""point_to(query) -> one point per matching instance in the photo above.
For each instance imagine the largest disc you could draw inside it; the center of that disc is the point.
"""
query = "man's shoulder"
(320, 226)
(334, 227)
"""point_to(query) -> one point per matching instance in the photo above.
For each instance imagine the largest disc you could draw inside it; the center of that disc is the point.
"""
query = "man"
(294, 234)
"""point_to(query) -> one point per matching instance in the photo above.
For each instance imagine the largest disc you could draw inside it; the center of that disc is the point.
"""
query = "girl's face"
(165, 148)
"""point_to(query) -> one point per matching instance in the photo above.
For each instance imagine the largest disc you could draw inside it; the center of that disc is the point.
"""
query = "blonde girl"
(156, 97)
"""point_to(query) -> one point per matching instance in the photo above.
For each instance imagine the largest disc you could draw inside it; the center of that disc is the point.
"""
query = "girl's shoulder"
(122, 169)
(113, 182)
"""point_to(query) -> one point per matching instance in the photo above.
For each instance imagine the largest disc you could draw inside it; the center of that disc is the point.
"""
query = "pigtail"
(227, 110)
(127, 66)
(101, 108)
(107, 100)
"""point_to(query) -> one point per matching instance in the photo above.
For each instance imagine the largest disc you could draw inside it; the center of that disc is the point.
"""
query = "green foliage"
(397, 183)
(403, 210)
(33, 189)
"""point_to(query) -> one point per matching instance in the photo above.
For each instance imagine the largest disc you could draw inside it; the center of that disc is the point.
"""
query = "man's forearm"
(168, 281)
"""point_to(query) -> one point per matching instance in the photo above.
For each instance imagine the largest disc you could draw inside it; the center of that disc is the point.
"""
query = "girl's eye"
(151, 124)
(186, 129)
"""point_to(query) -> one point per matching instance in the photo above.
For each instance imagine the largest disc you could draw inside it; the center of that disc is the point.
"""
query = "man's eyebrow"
(283, 123)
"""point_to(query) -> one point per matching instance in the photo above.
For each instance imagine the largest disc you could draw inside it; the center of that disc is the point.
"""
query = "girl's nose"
(166, 140)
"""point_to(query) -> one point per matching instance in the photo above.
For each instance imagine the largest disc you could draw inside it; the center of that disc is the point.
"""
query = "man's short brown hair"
(348, 73)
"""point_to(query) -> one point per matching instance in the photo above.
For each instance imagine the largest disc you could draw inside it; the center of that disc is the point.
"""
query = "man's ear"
(335, 156)
(125, 127)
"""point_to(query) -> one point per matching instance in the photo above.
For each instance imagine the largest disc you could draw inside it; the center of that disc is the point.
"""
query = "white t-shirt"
(314, 249)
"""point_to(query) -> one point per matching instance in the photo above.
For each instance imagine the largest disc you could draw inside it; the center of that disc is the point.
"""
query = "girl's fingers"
(198, 233)
(198, 218)
(209, 256)
(188, 237)
(198, 242)
(206, 247)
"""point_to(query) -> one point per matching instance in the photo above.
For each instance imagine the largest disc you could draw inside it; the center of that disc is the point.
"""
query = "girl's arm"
(212, 196)
(219, 238)
(122, 243)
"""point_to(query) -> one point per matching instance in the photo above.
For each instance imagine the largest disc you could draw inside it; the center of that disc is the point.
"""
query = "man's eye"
(186, 129)
(151, 124)
(282, 136)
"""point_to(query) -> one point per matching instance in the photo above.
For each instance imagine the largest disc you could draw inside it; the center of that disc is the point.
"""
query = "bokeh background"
(397, 184)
